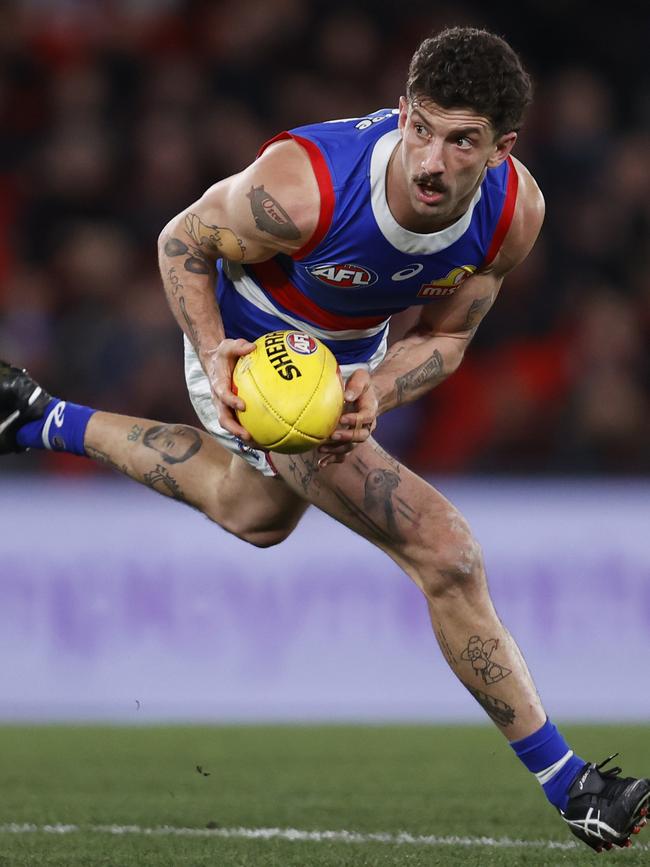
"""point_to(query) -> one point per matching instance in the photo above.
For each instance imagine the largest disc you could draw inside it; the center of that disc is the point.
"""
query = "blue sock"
(547, 755)
(61, 428)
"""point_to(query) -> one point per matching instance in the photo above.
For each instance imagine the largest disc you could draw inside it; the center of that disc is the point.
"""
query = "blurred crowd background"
(116, 115)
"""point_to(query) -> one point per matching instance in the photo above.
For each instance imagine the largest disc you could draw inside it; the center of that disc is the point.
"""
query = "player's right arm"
(270, 207)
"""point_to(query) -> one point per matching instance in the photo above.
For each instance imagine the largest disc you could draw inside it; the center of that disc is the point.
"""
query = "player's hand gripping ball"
(292, 389)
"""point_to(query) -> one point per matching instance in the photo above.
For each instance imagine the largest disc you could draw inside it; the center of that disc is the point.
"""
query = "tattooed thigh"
(370, 492)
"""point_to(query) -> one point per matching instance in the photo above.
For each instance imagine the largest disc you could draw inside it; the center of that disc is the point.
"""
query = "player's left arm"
(434, 348)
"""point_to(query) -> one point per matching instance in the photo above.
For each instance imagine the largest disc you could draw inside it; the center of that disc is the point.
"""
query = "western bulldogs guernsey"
(361, 266)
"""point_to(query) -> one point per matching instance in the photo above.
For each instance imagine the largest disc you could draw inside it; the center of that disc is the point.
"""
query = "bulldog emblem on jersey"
(444, 286)
(345, 276)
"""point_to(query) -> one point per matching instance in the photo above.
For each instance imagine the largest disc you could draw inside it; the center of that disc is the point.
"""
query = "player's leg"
(189, 465)
(418, 528)
(178, 461)
(398, 511)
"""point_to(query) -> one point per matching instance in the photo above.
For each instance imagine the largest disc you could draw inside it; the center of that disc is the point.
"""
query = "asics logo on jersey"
(346, 276)
(405, 273)
(444, 286)
(369, 121)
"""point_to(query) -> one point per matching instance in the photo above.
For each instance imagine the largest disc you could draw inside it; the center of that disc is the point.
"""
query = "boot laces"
(610, 772)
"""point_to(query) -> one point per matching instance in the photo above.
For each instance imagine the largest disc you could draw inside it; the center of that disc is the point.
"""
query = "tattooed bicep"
(270, 216)
(281, 196)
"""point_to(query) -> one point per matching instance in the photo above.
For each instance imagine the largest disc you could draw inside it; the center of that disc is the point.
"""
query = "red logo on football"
(346, 276)
(301, 342)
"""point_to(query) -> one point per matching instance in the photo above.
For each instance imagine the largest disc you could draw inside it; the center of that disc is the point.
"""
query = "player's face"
(443, 156)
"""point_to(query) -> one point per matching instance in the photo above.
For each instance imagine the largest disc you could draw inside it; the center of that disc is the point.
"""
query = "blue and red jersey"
(360, 266)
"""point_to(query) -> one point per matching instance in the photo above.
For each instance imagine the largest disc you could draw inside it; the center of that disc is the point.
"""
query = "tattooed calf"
(498, 711)
(447, 652)
(478, 653)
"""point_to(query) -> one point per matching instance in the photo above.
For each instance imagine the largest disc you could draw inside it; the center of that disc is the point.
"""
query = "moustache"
(431, 182)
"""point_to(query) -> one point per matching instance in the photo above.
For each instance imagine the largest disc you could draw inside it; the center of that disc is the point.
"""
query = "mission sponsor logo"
(345, 276)
(442, 287)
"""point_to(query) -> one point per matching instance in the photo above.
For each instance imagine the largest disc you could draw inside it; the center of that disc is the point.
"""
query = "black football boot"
(21, 400)
(604, 808)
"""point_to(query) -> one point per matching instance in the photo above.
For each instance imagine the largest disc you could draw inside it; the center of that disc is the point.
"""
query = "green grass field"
(422, 780)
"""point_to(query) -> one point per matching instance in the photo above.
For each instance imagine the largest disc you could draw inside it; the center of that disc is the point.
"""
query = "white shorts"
(198, 388)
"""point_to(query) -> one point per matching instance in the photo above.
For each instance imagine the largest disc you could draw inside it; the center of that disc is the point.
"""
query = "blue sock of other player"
(61, 428)
(547, 755)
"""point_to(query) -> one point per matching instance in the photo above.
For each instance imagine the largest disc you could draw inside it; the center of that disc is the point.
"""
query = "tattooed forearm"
(134, 434)
(161, 480)
(193, 334)
(478, 653)
(477, 310)
(498, 711)
(270, 216)
(428, 373)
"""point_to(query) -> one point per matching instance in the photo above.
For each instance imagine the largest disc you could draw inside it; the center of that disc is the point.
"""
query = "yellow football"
(292, 389)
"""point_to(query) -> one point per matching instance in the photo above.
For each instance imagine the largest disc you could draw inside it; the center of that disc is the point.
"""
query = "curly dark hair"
(464, 67)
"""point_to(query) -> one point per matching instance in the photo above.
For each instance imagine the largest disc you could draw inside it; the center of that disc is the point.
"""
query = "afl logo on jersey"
(301, 342)
(345, 276)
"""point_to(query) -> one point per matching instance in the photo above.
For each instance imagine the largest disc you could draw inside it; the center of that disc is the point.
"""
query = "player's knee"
(453, 563)
(256, 533)
(264, 538)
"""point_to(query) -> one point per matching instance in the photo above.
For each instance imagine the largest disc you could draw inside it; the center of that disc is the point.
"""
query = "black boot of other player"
(21, 400)
(604, 808)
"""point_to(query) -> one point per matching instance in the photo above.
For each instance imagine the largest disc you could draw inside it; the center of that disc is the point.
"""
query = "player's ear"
(403, 112)
(501, 150)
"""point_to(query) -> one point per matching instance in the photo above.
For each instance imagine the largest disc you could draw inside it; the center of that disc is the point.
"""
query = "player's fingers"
(241, 347)
(223, 392)
(358, 420)
(352, 434)
(363, 413)
(356, 385)
(227, 347)
(336, 448)
(228, 421)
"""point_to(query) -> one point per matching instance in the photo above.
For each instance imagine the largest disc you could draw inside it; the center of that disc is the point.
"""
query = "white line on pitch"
(296, 835)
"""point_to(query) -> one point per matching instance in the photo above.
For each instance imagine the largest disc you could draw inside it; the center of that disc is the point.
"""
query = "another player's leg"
(178, 461)
(419, 529)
